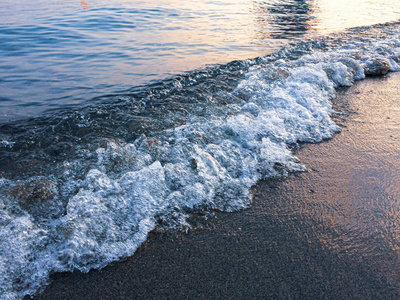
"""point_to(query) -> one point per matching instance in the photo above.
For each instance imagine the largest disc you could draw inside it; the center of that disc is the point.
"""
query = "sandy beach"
(330, 233)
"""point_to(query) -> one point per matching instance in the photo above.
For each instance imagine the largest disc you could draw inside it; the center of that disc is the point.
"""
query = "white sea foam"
(208, 163)
(6, 144)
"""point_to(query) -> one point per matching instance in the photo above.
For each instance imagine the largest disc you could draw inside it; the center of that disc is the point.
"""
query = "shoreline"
(330, 232)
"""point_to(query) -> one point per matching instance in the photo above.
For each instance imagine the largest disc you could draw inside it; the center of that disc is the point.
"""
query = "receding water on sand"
(330, 232)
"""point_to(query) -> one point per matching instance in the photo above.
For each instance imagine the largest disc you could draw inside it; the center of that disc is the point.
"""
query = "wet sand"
(330, 233)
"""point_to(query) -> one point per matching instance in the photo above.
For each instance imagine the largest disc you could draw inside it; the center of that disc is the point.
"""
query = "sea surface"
(57, 54)
(120, 116)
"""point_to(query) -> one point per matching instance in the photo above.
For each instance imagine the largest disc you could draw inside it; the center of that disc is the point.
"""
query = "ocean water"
(120, 117)
(57, 54)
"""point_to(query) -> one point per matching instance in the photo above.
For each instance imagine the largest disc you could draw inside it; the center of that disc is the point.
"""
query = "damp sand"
(330, 232)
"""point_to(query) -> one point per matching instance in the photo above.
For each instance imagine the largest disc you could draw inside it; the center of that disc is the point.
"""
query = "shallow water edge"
(329, 232)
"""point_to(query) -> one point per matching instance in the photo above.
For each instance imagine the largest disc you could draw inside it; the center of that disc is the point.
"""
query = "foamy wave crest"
(208, 163)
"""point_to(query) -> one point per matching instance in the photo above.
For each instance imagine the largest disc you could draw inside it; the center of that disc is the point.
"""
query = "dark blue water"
(55, 54)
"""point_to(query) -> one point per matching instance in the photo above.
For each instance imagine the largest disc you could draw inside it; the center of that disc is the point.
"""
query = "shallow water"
(81, 186)
(55, 54)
